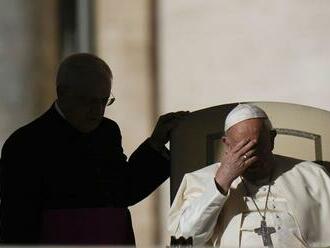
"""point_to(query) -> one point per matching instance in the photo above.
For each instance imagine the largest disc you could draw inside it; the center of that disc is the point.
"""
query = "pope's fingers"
(247, 147)
(239, 145)
(249, 153)
(250, 161)
(246, 156)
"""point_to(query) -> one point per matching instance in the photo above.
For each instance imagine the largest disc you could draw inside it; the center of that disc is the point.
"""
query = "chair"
(302, 133)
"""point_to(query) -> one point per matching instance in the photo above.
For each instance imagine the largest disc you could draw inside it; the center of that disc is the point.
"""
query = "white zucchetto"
(244, 112)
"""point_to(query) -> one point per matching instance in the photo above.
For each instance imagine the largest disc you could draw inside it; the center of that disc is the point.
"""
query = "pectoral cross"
(265, 233)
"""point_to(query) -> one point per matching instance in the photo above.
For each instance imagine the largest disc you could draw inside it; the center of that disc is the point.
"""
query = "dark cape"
(48, 166)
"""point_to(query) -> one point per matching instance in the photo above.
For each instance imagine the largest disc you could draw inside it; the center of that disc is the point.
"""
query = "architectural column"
(28, 51)
(124, 40)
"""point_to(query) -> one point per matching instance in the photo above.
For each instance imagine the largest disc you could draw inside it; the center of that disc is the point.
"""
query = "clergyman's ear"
(273, 134)
(61, 90)
(224, 140)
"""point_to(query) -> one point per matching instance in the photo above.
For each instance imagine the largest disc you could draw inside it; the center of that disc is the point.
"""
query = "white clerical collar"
(57, 107)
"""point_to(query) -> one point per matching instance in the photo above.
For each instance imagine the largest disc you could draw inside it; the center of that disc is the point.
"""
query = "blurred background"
(166, 55)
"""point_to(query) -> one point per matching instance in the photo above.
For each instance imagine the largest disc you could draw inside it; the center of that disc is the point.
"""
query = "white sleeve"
(198, 212)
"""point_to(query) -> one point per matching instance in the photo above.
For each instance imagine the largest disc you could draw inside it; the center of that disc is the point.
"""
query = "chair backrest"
(303, 132)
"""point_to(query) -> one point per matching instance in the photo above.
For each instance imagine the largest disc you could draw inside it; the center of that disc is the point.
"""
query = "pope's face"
(254, 129)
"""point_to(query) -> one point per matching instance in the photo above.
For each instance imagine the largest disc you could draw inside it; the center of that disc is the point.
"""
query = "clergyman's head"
(83, 85)
(247, 121)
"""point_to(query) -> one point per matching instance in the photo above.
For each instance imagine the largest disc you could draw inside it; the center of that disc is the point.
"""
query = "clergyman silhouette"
(64, 176)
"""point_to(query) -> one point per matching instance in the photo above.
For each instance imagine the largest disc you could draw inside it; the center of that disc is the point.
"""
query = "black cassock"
(48, 166)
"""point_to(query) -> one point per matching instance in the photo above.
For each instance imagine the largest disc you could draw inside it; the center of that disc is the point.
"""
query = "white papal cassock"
(298, 208)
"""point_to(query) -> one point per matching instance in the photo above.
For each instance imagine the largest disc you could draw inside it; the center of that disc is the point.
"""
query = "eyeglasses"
(87, 101)
(110, 100)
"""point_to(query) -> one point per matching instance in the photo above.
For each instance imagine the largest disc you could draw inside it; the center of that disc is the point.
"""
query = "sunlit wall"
(213, 52)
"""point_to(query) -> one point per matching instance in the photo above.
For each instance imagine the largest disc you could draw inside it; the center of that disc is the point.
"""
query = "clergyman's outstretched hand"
(165, 124)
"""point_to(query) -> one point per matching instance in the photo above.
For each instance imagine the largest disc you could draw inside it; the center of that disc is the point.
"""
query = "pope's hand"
(166, 123)
(234, 162)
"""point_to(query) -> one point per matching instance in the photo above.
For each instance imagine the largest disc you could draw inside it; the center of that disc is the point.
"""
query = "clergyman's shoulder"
(109, 123)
